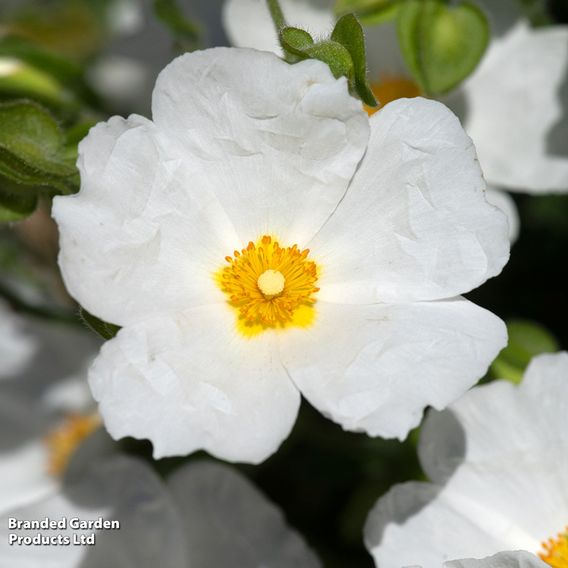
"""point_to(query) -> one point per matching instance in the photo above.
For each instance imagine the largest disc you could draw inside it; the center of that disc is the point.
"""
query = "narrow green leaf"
(526, 339)
(105, 330)
(349, 33)
(441, 44)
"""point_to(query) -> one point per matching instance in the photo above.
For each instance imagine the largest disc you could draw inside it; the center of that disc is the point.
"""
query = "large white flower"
(498, 461)
(251, 253)
(205, 516)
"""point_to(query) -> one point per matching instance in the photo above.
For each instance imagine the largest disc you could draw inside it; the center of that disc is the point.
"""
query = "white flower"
(498, 462)
(17, 348)
(205, 516)
(217, 344)
(45, 412)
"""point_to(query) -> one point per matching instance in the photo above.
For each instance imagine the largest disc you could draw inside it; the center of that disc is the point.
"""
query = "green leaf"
(349, 33)
(32, 148)
(105, 330)
(295, 40)
(368, 11)
(185, 31)
(16, 206)
(441, 44)
(526, 339)
(300, 43)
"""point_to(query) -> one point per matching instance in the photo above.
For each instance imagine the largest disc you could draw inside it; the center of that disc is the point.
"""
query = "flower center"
(556, 550)
(66, 438)
(268, 283)
(390, 88)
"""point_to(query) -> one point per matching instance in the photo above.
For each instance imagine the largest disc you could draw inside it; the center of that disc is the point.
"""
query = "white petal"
(248, 23)
(517, 559)
(227, 522)
(276, 143)
(517, 104)
(405, 528)
(135, 230)
(120, 489)
(16, 346)
(414, 225)
(193, 382)
(375, 368)
(501, 454)
(503, 201)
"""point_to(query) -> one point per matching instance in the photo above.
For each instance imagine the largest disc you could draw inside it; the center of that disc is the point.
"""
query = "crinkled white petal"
(139, 237)
(227, 522)
(191, 381)
(375, 368)
(414, 224)
(248, 23)
(16, 346)
(517, 106)
(503, 201)
(277, 144)
(499, 458)
(120, 489)
(516, 559)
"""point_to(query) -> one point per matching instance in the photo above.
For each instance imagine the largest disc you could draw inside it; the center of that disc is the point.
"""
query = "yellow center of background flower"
(556, 551)
(66, 438)
(390, 88)
(270, 286)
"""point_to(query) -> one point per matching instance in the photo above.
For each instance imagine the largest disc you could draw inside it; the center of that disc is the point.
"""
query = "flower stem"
(277, 15)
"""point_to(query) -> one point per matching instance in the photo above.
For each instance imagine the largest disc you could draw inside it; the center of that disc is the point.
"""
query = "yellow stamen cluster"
(556, 551)
(66, 438)
(390, 88)
(267, 282)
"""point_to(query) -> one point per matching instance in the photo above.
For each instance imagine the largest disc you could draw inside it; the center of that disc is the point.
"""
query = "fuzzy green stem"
(277, 15)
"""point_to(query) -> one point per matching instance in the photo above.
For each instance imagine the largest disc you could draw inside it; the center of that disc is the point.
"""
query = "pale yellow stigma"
(390, 88)
(66, 438)
(269, 284)
(556, 551)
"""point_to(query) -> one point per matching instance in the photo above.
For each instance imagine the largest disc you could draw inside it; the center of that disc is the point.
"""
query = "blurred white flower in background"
(498, 464)
(205, 515)
(46, 409)
(192, 233)
(514, 106)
